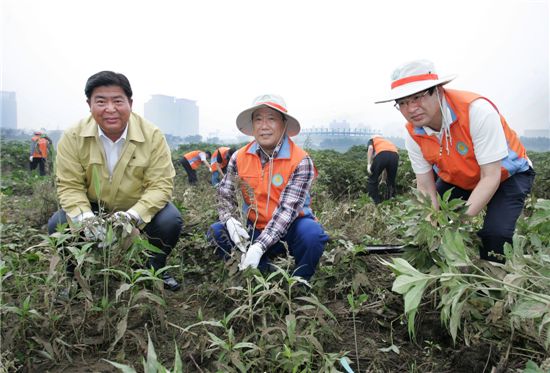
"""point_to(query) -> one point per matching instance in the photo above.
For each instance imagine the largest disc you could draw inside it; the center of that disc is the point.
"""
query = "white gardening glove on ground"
(252, 257)
(237, 233)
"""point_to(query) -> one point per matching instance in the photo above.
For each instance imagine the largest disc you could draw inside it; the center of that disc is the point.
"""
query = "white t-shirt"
(485, 129)
(202, 156)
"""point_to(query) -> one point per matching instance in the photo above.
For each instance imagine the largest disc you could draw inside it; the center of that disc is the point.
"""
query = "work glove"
(252, 257)
(237, 233)
(94, 229)
(31, 158)
(369, 168)
(123, 217)
(210, 169)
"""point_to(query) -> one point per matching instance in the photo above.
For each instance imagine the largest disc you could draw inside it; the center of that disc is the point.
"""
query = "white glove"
(210, 169)
(31, 158)
(369, 168)
(123, 217)
(94, 229)
(237, 233)
(252, 257)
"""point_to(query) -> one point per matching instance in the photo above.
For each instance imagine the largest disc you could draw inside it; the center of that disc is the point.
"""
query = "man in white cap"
(463, 138)
(274, 176)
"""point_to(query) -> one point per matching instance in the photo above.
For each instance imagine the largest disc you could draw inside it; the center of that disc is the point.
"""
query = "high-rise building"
(175, 116)
(8, 108)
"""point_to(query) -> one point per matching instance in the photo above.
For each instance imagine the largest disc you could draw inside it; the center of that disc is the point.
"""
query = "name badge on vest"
(461, 148)
(277, 180)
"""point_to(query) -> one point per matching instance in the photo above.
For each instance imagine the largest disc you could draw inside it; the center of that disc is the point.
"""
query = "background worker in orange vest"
(191, 161)
(275, 177)
(218, 163)
(40, 147)
(467, 142)
(382, 156)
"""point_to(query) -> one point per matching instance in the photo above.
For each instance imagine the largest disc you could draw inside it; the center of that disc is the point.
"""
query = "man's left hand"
(252, 257)
(123, 217)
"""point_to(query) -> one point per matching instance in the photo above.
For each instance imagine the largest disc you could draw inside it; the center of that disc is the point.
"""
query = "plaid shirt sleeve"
(291, 202)
(227, 203)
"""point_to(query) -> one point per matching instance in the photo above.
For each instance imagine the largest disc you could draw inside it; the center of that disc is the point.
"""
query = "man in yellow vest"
(274, 176)
(382, 156)
(191, 161)
(463, 138)
(40, 147)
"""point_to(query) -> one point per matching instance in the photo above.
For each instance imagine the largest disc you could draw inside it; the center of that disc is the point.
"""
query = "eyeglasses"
(404, 102)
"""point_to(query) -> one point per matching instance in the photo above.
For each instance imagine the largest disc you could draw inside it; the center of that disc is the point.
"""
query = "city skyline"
(329, 61)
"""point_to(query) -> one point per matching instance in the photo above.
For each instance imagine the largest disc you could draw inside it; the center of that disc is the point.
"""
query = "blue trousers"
(215, 178)
(162, 231)
(503, 211)
(306, 241)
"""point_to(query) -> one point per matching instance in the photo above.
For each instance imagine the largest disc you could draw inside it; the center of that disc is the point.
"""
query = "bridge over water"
(330, 132)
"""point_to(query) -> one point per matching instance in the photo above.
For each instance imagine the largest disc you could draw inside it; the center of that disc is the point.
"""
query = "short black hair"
(208, 154)
(107, 78)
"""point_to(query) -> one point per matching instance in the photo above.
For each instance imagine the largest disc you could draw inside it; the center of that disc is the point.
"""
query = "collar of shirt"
(264, 157)
(103, 136)
(112, 149)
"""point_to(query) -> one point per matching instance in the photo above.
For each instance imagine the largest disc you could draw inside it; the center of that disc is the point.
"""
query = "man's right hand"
(31, 158)
(237, 233)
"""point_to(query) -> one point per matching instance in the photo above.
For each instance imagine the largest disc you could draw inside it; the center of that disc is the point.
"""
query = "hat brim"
(244, 121)
(414, 87)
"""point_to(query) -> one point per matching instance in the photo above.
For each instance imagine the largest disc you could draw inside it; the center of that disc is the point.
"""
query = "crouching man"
(274, 176)
(132, 161)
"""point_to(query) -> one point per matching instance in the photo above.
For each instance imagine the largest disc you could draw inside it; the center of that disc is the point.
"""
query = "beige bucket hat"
(275, 102)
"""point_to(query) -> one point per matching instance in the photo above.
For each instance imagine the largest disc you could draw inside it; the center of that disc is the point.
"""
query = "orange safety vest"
(255, 182)
(41, 147)
(460, 166)
(214, 159)
(193, 158)
(380, 145)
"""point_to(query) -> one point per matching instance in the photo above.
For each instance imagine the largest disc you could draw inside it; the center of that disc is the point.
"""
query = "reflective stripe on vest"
(41, 147)
(255, 181)
(214, 158)
(460, 166)
(193, 158)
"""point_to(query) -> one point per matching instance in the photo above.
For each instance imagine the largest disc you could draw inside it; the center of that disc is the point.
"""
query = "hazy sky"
(329, 59)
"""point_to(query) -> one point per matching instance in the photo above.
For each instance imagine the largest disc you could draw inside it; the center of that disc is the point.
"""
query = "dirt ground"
(379, 326)
(382, 338)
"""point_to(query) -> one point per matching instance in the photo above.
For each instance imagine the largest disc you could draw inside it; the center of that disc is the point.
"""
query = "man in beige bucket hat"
(275, 177)
(463, 138)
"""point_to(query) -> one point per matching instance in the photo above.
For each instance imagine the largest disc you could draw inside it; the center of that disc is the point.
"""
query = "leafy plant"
(516, 292)
(152, 365)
